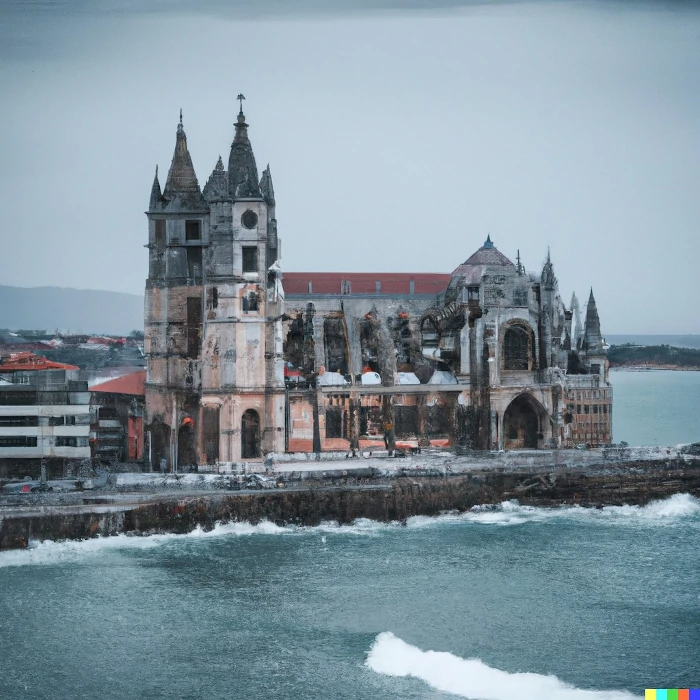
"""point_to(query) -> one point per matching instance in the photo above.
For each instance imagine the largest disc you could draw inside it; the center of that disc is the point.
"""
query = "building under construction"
(245, 361)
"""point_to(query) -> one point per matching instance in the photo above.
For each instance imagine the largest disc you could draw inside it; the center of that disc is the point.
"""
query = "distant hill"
(75, 310)
(657, 356)
(679, 341)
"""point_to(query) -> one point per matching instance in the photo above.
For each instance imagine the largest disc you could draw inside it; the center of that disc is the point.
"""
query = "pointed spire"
(593, 338)
(487, 242)
(182, 188)
(578, 328)
(242, 171)
(156, 194)
(266, 188)
(216, 188)
(549, 279)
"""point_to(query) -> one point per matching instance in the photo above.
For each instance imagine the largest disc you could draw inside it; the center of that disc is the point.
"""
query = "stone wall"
(384, 501)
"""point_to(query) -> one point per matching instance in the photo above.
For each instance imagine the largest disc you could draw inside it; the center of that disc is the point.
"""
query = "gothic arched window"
(516, 350)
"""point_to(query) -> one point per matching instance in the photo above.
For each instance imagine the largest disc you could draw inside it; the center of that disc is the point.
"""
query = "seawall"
(306, 504)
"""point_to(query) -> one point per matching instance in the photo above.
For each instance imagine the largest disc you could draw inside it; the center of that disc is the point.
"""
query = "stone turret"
(592, 337)
(216, 189)
(156, 201)
(266, 188)
(549, 280)
(182, 188)
(242, 171)
(577, 335)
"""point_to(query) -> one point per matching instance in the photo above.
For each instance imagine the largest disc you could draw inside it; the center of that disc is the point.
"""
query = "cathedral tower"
(213, 313)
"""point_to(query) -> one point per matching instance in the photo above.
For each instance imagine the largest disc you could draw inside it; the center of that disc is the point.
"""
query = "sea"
(500, 603)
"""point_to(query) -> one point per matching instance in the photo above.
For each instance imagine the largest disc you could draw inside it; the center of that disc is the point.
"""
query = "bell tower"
(214, 308)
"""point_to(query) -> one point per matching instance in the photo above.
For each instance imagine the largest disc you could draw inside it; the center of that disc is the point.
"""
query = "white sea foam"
(51, 552)
(472, 678)
(678, 509)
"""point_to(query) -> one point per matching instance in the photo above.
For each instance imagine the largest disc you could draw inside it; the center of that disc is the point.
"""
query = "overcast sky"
(399, 133)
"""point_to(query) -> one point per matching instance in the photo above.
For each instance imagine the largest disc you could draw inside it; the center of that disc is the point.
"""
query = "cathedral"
(245, 360)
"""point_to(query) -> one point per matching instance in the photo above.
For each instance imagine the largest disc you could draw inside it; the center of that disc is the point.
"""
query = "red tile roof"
(365, 282)
(28, 361)
(133, 384)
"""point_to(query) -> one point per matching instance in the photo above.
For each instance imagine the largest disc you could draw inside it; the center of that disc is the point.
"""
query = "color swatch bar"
(672, 694)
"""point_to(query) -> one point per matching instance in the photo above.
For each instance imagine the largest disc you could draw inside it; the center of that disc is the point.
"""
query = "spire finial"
(488, 243)
(240, 97)
(549, 258)
(180, 128)
(520, 266)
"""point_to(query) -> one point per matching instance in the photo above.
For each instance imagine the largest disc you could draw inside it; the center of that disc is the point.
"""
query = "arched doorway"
(250, 435)
(522, 423)
(186, 453)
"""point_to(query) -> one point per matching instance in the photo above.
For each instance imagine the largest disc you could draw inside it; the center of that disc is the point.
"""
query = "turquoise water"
(658, 407)
(517, 602)
(589, 604)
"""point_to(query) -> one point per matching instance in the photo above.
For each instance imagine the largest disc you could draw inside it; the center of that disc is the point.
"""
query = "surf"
(472, 678)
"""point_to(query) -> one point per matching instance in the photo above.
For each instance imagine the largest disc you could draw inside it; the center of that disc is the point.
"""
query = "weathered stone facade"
(493, 360)
(213, 313)
(483, 358)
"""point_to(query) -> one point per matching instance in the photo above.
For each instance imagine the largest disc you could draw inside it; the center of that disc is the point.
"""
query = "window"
(19, 421)
(586, 409)
(473, 294)
(516, 349)
(520, 297)
(595, 369)
(249, 219)
(378, 286)
(18, 441)
(250, 258)
(429, 333)
(193, 230)
(18, 398)
(250, 302)
(160, 237)
(194, 326)
(194, 265)
(62, 441)
(57, 420)
(345, 287)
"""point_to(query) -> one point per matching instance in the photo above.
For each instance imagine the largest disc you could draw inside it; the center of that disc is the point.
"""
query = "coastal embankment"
(342, 498)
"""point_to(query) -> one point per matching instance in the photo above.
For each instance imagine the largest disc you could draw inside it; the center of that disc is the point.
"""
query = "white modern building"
(44, 415)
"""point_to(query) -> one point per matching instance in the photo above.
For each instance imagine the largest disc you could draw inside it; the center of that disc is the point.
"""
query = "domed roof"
(487, 256)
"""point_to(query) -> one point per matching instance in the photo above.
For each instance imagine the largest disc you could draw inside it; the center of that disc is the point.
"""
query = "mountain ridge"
(70, 309)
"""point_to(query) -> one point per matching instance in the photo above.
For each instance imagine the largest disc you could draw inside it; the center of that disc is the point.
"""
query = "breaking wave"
(677, 509)
(471, 678)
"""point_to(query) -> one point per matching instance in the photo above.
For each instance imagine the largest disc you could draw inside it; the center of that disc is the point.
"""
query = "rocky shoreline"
(310, 502)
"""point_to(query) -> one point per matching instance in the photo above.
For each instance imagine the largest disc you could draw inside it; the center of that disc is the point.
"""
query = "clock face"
(249, 219)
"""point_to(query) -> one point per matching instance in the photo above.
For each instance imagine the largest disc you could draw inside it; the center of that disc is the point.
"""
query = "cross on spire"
(240, 97)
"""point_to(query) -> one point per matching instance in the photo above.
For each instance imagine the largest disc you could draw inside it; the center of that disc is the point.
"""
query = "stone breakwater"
(312, 503)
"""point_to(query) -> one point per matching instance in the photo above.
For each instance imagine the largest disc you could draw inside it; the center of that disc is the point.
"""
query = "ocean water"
(657, 407)
(495, 604)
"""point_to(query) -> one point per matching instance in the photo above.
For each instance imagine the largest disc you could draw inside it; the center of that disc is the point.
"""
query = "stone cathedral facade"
(244, 361)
